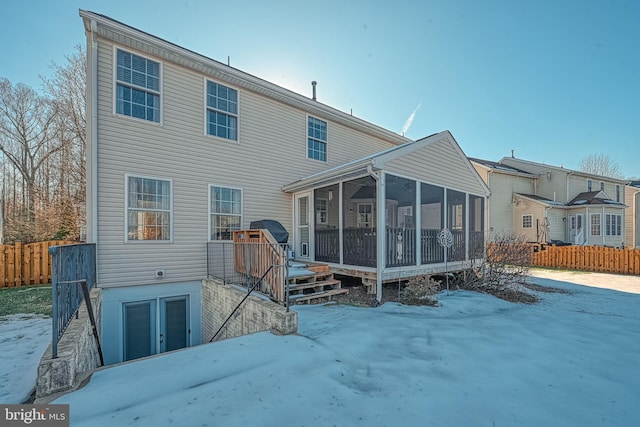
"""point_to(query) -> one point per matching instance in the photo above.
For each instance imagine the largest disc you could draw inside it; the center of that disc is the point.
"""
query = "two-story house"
(545, 203)
(183, 150)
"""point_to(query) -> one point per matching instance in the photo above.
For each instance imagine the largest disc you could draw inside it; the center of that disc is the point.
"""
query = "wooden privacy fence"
(588, 258)
(23, 265)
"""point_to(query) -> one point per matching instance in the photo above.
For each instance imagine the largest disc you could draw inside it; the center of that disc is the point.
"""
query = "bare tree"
(600, 164)
(27, 137)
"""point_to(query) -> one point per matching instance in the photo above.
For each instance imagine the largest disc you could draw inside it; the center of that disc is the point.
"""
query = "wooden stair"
(312, 282)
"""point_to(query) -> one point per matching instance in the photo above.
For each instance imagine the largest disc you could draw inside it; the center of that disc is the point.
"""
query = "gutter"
(311, 180)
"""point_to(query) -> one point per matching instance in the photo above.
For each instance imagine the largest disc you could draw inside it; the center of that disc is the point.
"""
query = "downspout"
(381, 230)
(94, 134)
(603, 223)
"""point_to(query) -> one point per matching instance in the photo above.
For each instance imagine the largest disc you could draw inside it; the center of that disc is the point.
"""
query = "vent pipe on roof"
(513, 156)
(313, 84)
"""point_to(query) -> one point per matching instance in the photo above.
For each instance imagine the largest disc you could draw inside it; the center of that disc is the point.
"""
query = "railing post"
(54, 297)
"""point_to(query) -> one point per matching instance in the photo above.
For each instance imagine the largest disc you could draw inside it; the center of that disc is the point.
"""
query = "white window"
(222, 111)
(527, 221)
(316, 139)
(613, 225)
(595, 224)
(589, 185)
(148, 208)
(321, 211)
(365, 215)
(225, 211)
(602, 186)
(137, 86)
(617, 193)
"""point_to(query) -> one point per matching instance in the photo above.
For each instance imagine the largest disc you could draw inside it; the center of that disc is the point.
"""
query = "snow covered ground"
(23, 340)
(570, 360)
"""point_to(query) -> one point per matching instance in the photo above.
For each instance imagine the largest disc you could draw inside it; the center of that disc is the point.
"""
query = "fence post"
(54, 300)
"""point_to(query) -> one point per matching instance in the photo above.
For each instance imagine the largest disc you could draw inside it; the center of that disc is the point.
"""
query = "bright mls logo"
(34, 415)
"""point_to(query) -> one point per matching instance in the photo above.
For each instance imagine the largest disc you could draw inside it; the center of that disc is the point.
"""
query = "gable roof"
(499, 167)
(131, 37)
(366, 165)
(593, 198)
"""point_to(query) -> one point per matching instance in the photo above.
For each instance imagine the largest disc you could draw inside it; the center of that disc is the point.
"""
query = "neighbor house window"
(527, 221)
(225, 211)
(365, 215)
(617, 193)
(137, 86)
(316, 139)
(589, 185)
(602, 186)
(613, 225)
(321, 211)
(148, 209)
(595, 224)
(222, 111)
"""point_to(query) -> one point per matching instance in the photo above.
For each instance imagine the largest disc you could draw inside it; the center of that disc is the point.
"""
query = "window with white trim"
(316, 139)
(225, 211)
(601, 186)
(148, 209)
(589, 185)
(613, 224)
(137, 86)
(222, 111)
(618, 193)
(365, 215)
(321, 210)
(527, 221)
(595, 224)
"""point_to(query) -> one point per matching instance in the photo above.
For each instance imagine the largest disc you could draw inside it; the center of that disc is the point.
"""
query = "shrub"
(420, 291)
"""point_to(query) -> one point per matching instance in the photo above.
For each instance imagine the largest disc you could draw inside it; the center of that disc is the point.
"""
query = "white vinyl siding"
(137, 87)
(148, 214)
(182, 150)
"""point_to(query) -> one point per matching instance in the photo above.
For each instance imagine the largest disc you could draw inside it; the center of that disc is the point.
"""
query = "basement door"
(154, 326)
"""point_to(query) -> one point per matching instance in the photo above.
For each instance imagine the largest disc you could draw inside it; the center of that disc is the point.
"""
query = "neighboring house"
(183, 150)
(632, 214)
(549, 203)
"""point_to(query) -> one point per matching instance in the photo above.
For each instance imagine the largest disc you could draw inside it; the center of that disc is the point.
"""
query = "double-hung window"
(613, 225)
(148, 208)
(222, 111)
(316, 139)
(137, 86)
(225, 211)
(595, 224)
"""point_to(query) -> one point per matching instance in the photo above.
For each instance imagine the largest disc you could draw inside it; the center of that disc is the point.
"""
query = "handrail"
(240, 303)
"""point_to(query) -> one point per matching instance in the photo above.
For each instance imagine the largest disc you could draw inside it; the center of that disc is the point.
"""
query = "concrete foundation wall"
(77, 353)
(255, 314)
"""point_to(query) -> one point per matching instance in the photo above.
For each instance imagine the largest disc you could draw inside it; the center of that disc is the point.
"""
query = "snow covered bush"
(420, 291)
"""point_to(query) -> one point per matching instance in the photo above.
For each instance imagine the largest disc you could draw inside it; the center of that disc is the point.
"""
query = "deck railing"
(245, 259)
(328, 245)
(72, 266)
(359, 246)
(432, 251)
(401, 247)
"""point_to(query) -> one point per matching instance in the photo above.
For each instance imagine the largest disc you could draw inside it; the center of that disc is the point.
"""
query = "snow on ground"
(570, 360)
(23, 340)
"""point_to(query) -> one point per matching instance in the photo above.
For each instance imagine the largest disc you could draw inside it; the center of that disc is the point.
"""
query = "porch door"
(302, 224)
(174, 323)
(576, 229)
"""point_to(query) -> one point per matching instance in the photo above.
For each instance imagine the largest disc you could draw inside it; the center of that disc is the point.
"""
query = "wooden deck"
(318, 283)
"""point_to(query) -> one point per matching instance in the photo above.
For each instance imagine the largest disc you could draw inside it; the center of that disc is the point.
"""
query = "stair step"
(323, 283)
(298, 273)
(324, 268)
(295, 264)
(322, 294)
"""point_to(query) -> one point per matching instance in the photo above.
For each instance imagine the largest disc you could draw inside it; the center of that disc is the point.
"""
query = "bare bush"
(420, 291)
(504, 270)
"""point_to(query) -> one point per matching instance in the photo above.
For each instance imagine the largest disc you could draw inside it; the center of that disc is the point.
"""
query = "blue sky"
(553, 80)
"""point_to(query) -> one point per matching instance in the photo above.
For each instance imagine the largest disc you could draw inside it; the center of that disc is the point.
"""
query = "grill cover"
(276, 229)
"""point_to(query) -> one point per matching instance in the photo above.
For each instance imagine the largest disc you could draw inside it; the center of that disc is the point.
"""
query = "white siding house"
(184, 149)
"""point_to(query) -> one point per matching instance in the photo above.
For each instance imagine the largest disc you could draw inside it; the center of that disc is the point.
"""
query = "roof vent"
(313, 85)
